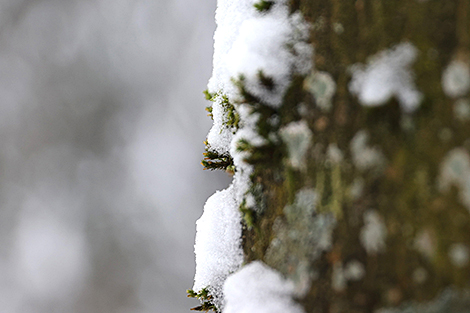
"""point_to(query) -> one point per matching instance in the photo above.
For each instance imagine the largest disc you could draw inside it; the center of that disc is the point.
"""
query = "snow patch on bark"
(387, 74)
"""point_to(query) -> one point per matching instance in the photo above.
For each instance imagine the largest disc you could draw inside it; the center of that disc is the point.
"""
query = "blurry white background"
(101, 127)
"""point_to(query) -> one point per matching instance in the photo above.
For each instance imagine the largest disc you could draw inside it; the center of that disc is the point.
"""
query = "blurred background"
(101, 128)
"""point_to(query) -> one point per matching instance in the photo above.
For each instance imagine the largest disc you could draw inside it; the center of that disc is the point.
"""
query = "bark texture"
(426, 228)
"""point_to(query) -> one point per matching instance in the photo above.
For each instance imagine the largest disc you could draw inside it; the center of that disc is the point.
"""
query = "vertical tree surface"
(365, 202)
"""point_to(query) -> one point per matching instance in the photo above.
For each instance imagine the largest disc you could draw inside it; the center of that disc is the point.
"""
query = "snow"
(245, 42)
(258, 288)
(459, 255)
(456, 79)
(219, 136)
(387, 74)
(247, 132)
(218, 242)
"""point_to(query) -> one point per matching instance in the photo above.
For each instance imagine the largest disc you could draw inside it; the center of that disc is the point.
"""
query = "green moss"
(205, 298)
(231, 118)
(263, 5)
(214, 161)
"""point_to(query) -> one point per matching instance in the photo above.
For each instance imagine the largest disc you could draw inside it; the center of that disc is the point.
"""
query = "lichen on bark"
(421, 222)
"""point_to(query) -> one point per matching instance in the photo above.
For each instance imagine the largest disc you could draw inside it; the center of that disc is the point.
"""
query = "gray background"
(101, 128)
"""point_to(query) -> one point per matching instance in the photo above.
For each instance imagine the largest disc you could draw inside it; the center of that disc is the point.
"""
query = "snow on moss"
(255, 45)
(322, 86)
(258, 288)
(300, 237)
(449, 300)
(462, 109)
(456, 79)
(388, 74)
(218, 243)
(247, 41)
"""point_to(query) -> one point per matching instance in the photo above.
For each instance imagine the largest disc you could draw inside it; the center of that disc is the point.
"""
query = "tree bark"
(401, 195)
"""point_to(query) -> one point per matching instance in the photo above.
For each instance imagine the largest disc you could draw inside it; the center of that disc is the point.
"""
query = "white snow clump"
(218, 243)
(387, 75)
(258, 288)
(247, 42)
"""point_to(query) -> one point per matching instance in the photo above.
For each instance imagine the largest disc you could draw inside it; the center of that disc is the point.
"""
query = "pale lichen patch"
(456, 79)
(425, 243)
(459, 255)
(354, 270)
(298, 138)
(373, 233)
(364, 156)
(322, 86)
(334, 154)
(357, 188)
(304, 234)
(420, 275)
(450, 300)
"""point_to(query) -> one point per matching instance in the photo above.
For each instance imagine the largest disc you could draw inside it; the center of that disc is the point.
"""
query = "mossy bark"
(404, 191)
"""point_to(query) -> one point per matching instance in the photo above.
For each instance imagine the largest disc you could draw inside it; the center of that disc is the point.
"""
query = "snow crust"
(258, 288)
(387, 74)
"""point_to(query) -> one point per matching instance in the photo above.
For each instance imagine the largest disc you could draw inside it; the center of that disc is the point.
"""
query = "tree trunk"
(384, 119)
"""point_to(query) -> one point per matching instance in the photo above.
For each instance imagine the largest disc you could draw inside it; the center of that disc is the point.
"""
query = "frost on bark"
(362, 200)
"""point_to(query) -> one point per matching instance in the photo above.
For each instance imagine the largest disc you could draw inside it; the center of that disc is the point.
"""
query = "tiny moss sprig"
(248, 214)
(214, 161)
(232, 119)
(266, 81)
(263, 6)
(205, 298)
